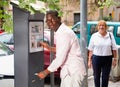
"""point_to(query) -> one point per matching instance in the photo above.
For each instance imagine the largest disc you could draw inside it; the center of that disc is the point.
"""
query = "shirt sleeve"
(62, 49)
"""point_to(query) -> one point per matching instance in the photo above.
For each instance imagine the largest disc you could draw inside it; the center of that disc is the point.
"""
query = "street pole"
(83, 33)
(52, 81)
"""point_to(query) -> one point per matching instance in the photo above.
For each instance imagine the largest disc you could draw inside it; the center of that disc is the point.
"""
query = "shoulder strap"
(110, 36)
(111, 40)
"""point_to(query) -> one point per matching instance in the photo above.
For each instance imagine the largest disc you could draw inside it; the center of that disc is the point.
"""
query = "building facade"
(71, 9)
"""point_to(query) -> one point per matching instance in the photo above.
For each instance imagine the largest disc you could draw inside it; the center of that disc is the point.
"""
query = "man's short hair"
(53, 12)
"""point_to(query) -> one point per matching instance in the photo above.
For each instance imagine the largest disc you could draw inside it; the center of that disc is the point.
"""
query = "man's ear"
(59, 19)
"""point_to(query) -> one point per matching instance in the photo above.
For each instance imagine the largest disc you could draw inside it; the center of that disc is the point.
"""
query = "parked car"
(8, 39)
(1, 31)
(6, 61)
(113, 27)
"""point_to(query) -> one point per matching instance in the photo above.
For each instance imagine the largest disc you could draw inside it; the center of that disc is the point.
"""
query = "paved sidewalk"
(91, 80)
(10, 82)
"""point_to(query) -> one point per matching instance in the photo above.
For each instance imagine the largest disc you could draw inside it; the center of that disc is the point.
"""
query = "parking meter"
(28, 55)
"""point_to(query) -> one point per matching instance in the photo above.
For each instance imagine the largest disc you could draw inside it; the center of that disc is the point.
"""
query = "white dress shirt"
(101, 46)
(68, 55)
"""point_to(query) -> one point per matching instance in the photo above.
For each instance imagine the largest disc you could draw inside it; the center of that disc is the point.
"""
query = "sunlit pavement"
(111, 84)
(10, 82)
(91, 80)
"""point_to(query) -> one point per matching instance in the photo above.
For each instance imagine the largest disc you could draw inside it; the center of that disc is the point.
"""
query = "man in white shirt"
(68, 54)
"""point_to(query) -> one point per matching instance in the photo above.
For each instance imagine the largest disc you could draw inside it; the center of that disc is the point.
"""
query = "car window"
(93, 29)
(77, 28)
(118, 31)
(46, 40)
(4, 50)
(110, 28)
(7, 38)
(12, 40)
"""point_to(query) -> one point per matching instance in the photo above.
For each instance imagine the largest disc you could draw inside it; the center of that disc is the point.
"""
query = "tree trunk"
(100, 13)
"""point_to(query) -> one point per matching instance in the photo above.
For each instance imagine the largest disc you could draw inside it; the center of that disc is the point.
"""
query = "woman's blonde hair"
(102, 21)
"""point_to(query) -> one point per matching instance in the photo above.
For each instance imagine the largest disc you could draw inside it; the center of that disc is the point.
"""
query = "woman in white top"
(100, 54)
